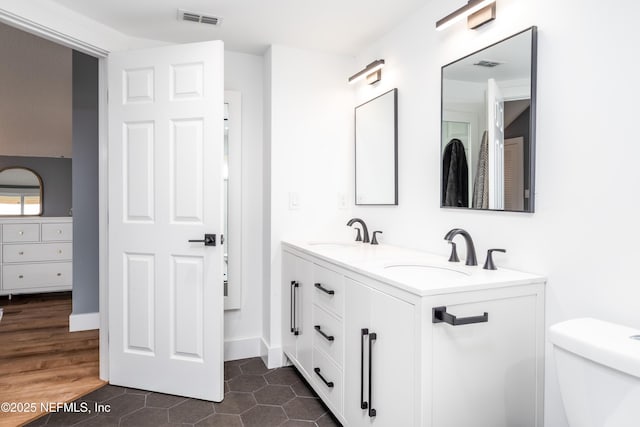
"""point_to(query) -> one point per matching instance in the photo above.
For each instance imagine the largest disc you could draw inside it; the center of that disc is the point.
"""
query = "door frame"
(101, 54)
(233, 300)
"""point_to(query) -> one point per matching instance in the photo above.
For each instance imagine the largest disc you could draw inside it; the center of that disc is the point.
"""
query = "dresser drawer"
(327, 334)
(30, 252)
(328, 290)
(23, 276)
(324, 368)
(52, 232)
(20, 233)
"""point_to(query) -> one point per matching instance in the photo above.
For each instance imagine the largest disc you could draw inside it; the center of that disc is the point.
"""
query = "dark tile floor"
(254, 396)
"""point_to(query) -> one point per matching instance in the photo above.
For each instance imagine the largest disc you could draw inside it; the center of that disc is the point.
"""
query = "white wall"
(584, 232)
(243, 328)
(311, 154)
(47, 13)
(266, 198)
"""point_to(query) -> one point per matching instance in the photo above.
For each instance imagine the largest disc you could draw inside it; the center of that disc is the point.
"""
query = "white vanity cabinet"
(386, 358)
(36, 255)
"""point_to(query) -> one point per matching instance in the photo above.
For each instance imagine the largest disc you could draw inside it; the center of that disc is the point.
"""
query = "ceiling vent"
(488, 64)
(184, 15)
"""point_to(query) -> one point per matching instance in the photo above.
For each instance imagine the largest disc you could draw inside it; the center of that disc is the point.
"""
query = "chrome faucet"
(365, 231)
(471, 250)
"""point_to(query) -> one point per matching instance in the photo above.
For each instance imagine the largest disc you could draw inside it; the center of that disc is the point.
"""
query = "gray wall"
(56, 179)
(85, 184)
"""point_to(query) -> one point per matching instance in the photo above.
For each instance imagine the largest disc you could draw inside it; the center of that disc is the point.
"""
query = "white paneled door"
(495, 117)
(165, 188)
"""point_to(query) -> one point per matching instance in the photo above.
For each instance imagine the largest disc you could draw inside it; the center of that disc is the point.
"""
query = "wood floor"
(40, 360)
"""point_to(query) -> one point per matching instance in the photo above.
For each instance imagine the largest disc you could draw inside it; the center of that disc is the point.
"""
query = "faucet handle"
(374, 239)
(488, 264)
(358, 236)
(454, 253)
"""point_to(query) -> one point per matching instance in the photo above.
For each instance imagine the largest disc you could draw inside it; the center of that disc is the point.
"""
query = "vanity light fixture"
(373, 72)
(477, 12)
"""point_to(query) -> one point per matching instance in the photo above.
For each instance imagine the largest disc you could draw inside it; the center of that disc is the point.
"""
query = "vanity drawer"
(23, 276)
(20, 233)
(328, 290)
(332, 340)
(323, 366)
(57, 231)
(37, 252)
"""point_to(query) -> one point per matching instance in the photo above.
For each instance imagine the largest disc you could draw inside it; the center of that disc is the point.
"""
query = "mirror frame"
(395, 149)
(41, 191)
(532, 123)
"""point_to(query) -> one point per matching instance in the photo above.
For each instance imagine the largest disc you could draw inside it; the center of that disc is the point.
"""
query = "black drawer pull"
(325, 290)
(327, 337)
(294, 327)
(328, 383)
(372, 337)
(440, 315)
(363, 403)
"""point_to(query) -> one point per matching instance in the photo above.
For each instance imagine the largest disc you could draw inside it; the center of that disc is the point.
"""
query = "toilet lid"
(603, 342)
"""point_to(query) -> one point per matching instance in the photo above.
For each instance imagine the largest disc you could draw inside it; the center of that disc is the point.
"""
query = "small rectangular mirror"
(376, 128)
(488, 127)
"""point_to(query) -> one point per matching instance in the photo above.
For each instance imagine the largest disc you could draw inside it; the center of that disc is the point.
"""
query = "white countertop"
(417, 272)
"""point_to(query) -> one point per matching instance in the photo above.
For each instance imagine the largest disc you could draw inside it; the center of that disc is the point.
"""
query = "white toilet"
(598, 366)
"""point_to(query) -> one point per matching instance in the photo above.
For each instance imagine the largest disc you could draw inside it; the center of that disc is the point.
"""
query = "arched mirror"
(20, 192)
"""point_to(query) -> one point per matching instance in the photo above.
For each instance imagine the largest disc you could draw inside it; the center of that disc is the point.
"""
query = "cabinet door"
(304, 315)
(392, 354)
(394, 367)
(297, 285)
(484, 374)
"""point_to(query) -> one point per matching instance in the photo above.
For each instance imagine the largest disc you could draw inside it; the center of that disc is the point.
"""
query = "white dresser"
(36, 254)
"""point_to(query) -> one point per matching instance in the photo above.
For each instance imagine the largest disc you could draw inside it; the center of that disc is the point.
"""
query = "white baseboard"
(242, 348)
(272, 357)
(84, 322)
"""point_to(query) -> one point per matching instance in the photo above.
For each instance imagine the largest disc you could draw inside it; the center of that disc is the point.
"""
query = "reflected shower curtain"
(480, 198)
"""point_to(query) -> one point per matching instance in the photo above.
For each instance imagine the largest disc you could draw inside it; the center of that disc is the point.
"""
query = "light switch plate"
(342, 201)
(294, 201)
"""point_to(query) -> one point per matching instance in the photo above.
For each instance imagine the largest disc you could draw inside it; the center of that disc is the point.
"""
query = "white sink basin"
(424, 271)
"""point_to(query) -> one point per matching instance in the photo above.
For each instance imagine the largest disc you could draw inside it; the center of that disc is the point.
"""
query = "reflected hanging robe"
(455, 175)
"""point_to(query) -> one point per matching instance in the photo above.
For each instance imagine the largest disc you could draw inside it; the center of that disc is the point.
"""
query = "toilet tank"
(598, 365)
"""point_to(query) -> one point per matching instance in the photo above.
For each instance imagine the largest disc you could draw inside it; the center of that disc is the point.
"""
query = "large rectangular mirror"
(488, 127)
(377, 150)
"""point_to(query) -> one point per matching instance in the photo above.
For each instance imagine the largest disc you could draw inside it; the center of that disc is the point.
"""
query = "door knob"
(209, 240)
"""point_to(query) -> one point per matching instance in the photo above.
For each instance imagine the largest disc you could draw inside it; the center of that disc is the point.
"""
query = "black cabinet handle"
(291, 306)
(364, 332)
(440, 315)
(328, 383)
(294, 328)
(325, 290)
(372, 337)
(327, 337)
